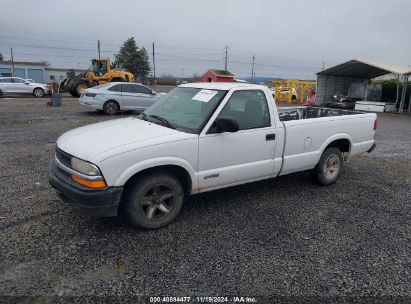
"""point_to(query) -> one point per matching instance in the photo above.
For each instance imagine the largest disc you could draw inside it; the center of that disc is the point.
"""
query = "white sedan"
(16, 85)
(114, 97)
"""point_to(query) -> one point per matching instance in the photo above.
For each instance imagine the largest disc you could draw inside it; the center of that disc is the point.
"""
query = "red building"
(217, 76)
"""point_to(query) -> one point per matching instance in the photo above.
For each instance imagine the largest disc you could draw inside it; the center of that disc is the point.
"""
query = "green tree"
(133, 59)
(144, 67)
(1, 57)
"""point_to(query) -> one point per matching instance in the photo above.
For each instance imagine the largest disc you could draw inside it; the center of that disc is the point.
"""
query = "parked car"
(342, 101)
(16, 85)
(114, 97)
(201, 137)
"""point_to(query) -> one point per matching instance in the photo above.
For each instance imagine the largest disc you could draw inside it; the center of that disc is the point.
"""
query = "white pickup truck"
(197, 138)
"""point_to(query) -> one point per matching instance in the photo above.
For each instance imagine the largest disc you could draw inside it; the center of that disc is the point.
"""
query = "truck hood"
(89, 141)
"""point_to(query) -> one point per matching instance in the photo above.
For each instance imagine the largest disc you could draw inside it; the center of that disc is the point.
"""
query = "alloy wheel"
(157, 203)
(38, 92)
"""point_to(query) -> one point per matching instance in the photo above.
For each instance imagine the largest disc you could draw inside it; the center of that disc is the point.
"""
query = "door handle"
(270, 137)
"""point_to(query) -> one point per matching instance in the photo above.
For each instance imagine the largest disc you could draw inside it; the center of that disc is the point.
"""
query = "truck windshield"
(186, 109)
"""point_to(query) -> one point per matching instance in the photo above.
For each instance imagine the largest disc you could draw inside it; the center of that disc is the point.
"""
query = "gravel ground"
(284, 237)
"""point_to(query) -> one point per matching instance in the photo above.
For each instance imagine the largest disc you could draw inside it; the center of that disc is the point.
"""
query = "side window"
(116, 88)
(142, 89)
(17, 80)
(128, 88)
(249, 108)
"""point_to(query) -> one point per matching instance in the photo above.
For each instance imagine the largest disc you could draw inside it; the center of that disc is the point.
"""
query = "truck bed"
(298, 113)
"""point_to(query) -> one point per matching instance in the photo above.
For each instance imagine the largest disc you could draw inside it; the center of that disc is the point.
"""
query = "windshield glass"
(187, 109)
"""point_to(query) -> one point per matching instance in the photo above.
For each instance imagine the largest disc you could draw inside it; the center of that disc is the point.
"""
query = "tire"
(1, 93)
(38, 92)
(77, 87)
(154, 200)
(111, 107)
(329, 167)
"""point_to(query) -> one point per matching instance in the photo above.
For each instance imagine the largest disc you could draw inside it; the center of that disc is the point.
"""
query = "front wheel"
(329, 167)
(153, 200)
(38, 92)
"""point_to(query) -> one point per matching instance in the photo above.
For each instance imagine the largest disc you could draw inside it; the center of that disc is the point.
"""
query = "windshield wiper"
(162, 119)
(143, 115)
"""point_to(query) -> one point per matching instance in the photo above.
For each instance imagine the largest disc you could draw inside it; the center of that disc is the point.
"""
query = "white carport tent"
(338, 79)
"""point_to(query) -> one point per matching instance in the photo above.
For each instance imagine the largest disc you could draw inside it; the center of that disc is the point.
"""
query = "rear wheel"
(38, 92)
(153, 200)
(111, 107)
(1, 93)
(329, 167)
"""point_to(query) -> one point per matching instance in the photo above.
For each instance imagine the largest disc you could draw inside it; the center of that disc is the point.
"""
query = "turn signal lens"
(88, 183)
(91, 95)
(375, 124)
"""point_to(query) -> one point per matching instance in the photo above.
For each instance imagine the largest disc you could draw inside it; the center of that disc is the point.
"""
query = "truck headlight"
(84, 167)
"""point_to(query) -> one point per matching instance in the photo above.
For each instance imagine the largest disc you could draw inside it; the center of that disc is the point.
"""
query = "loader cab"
(99, 66)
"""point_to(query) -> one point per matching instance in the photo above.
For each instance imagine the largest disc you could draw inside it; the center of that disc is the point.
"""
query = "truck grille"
(63, 157)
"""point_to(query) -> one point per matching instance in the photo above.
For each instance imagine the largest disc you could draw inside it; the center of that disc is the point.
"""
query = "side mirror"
(153, 93)
(27, 82)
(225, 124)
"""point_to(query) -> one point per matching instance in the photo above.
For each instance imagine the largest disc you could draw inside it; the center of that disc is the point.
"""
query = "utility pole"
(323, 65)
(98, 45)
(252, 69)
(154, 66)
(226, 57)
(12, 62)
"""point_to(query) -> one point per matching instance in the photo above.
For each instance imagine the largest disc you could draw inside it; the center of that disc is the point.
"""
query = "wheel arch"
(179, 167)
(178, 171)
(35, 88)
(342, 141)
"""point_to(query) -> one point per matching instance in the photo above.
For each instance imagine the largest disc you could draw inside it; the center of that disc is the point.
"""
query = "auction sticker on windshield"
(204, 95)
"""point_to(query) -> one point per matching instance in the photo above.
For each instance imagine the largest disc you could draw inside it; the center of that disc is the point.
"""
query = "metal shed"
(338, 79)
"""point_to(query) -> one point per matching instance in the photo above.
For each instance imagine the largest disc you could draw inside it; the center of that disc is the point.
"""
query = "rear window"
(101, 86)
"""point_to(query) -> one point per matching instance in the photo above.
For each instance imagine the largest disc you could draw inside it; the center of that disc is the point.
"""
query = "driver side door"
(237, 157)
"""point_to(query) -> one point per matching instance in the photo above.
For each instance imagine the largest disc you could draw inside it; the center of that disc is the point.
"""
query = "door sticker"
(204, 95)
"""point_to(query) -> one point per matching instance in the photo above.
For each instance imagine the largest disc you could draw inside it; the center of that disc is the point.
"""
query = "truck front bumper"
(99, 203)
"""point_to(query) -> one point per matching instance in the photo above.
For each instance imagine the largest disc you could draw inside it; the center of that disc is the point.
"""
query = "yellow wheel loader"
(100, 73)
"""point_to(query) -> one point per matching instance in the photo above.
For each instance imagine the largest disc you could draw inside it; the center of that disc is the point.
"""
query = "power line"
(55, 48)
(55, 40)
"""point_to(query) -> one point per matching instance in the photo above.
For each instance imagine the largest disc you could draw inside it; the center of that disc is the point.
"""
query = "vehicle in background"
(101, 72)
(197, 138)
(341, 101)
(284, 92)
(16, 85)
(114, 97)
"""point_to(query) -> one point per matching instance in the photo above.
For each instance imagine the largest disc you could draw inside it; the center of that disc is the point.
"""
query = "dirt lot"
(282, 237)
